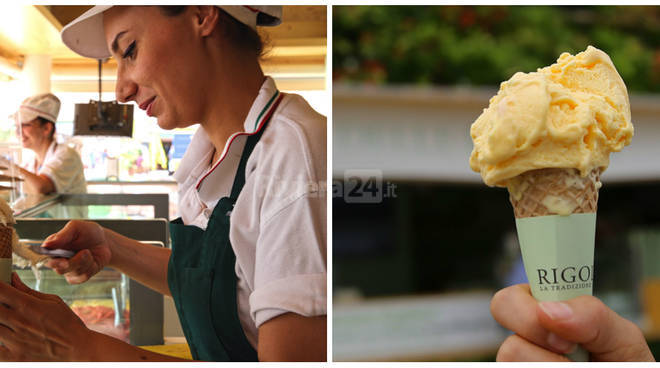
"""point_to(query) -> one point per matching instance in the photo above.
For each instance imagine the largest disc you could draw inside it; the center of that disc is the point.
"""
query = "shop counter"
(109, 302)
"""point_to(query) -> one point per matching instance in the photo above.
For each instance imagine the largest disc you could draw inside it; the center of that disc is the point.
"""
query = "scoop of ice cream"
(6, 213)
(571, 114)
(26, 257)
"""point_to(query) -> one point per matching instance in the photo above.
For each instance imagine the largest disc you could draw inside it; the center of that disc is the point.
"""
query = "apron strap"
(239, 179)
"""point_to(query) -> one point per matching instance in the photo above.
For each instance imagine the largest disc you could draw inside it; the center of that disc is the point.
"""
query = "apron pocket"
(226, 322)
(196, 287)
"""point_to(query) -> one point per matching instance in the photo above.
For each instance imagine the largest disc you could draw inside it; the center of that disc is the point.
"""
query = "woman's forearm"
(291, 337)
(37, 183)
(103, 348)
(144, 263)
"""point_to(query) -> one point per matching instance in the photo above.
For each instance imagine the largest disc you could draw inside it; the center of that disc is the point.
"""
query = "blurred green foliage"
(485, 45)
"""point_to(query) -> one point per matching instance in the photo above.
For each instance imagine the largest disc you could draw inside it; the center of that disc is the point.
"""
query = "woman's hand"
(6, 164)
(39, 327)
(36, 183)
(98, 247)
(89, 241)
(544, 331)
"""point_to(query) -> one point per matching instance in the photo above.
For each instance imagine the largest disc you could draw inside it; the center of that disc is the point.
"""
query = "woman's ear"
(49, 128)
(206, 18)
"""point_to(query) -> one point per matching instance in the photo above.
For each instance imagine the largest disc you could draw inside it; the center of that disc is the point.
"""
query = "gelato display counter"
(110, 302)
(93, 206)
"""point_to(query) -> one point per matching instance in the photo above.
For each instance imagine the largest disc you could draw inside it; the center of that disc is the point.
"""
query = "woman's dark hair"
(43, 121)
(240, 35)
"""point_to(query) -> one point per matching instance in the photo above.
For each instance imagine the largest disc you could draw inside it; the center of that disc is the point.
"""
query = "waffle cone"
(532, 192)
(6, 237)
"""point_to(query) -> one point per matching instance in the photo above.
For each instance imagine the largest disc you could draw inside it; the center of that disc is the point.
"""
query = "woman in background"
(56, 167)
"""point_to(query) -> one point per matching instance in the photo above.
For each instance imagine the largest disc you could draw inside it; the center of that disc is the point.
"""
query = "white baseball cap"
(85, 36)
(45, 105)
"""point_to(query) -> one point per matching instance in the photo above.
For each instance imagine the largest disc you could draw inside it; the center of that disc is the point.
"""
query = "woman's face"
(33, 134)
(156, 58)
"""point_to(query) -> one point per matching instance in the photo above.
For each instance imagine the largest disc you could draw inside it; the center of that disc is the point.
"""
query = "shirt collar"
(49, 152)
(197, 153)
(200, 145)
(266, 96)
(51, 148)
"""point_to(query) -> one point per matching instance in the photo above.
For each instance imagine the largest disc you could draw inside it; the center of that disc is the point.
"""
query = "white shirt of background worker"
(56, 167)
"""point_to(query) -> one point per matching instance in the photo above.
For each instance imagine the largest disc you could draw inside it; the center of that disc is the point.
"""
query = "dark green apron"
(202, 278)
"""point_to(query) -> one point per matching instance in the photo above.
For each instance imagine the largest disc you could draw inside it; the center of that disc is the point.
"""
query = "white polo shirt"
(63, 166)
(278, 225)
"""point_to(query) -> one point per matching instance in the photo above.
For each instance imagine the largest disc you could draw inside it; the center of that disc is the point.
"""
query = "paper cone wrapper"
(6, 240)
(558, 253)
(557, 250)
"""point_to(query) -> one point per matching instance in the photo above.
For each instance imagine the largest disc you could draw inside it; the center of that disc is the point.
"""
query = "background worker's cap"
(45, 105)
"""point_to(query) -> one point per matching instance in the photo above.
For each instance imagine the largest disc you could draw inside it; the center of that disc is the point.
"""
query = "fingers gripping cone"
(555, 213)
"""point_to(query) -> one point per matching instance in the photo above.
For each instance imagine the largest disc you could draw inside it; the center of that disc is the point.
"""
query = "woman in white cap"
(56, 167)
(247, 269)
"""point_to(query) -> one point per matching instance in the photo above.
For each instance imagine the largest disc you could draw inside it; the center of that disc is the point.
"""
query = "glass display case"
(110, 302)
(102, 303)
(93, 206)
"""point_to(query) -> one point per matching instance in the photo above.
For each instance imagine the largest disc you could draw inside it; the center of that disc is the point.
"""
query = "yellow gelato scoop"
(571, 114)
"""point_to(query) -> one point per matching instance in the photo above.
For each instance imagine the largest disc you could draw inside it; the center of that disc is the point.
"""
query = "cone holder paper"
(558, 253)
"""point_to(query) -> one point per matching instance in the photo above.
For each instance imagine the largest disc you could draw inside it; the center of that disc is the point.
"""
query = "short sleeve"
(63, 169)
(290, 265)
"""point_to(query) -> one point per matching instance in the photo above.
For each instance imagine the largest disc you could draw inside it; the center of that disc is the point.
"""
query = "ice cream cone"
(6, 241)
(546, 192)
(6, 234)
(538, 134)
(555, 213)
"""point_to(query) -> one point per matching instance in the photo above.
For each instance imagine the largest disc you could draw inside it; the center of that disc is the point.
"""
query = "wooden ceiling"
(297, 59)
